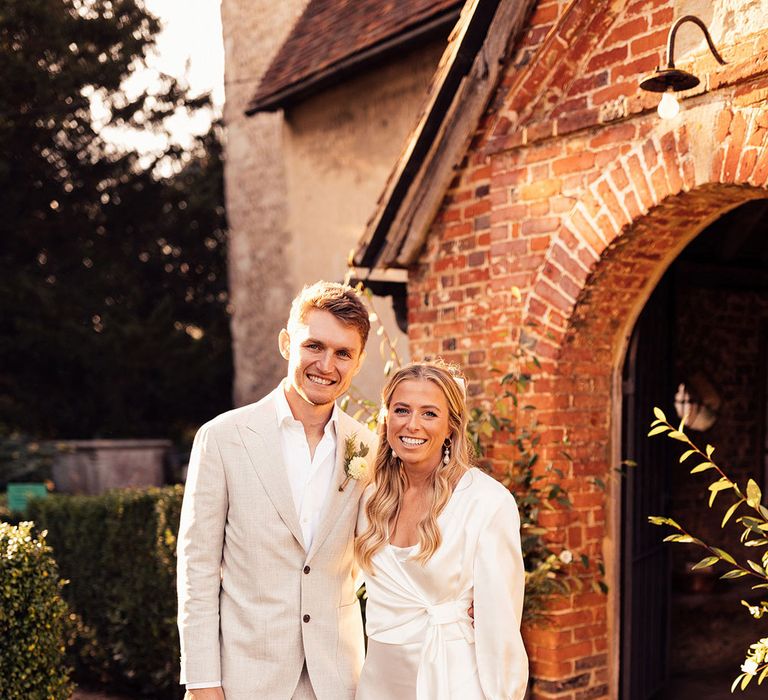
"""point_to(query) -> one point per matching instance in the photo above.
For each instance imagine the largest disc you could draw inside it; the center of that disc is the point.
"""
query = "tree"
(113, 302)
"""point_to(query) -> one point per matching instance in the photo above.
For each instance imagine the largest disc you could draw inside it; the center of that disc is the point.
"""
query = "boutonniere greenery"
(355, 463)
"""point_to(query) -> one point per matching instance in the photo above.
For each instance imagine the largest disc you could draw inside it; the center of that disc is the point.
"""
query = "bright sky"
(190, 46)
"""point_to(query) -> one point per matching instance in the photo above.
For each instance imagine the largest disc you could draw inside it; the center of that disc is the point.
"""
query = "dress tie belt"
(445, 613)
(432, 679)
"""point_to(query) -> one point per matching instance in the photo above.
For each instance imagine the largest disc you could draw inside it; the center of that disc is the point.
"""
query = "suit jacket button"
(306, 618)
(306, 569)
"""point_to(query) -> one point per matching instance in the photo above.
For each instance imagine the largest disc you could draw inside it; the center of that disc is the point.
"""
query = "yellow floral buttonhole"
(355, 464)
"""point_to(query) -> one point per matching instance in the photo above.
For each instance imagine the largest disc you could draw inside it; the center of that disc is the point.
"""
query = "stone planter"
(95, 466)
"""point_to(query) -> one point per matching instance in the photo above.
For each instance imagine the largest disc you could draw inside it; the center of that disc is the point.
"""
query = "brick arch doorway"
(704, 322)
(595, 354)
(628, 280)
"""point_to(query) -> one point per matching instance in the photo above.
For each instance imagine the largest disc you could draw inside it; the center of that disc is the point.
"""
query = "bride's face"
(417, 423)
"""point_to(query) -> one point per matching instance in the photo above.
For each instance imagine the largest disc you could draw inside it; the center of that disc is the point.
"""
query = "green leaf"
(710, 450)
(704, 563)
(730, 512)
(718, 486)
(686, 454)
(735, 573)
(736, 682)
(659, 413)
(752, 523)
(745, 681)
(660, 520)
(756, 567)
(724, 555)
(756, 543)
(754, 496)
(702, 467)
(721, 484)
(658, 429)
(677, 435)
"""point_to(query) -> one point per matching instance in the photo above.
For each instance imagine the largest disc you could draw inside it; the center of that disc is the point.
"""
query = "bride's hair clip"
(461, 382)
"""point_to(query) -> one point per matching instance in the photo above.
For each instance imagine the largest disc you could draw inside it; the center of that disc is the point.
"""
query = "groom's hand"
(205, 694)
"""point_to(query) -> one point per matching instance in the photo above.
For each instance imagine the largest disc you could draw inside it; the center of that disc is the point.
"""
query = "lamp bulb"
(669, 107)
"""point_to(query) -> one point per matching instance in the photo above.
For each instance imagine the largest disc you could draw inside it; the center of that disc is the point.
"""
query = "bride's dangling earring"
(447, 451)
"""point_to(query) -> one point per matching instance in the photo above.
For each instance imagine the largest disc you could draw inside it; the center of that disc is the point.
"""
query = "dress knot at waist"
(446, 613)
(432, 677)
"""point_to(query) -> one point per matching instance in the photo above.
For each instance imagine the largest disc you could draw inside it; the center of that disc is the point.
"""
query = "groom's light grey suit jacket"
(253, 604)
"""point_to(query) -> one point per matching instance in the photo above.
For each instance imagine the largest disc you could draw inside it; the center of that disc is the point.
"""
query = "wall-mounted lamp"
(670, 80)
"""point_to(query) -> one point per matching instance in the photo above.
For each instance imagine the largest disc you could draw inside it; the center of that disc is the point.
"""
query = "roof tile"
(330, 31)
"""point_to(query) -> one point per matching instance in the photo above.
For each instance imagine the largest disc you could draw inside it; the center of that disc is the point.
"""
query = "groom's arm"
(199, 549)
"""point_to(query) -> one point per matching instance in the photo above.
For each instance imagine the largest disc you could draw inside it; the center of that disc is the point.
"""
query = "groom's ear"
(284, 343)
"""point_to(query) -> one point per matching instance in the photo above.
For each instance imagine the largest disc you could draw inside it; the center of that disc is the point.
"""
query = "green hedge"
(118, 551)
(33, 618)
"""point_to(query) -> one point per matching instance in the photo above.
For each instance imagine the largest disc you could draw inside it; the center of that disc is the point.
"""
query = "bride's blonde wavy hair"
(388, 475)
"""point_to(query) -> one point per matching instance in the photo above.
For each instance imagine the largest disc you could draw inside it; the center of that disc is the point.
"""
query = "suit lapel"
(261, 438)
(336, 500)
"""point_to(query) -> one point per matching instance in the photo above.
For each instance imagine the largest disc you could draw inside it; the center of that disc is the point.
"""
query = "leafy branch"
(754, 533)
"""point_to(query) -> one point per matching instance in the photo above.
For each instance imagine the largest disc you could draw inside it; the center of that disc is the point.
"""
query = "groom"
(266, 580)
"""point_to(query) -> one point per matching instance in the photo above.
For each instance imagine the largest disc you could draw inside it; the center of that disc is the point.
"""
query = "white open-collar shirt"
(309, 476)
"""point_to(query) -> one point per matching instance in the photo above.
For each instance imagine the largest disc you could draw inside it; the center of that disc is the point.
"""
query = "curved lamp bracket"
(673, 33)
(671, 79)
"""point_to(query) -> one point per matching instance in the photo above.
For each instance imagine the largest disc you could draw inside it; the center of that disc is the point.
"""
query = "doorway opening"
(699, 346)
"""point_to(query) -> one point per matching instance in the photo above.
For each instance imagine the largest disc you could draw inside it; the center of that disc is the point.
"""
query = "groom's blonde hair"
(341, 300)
(384, 504)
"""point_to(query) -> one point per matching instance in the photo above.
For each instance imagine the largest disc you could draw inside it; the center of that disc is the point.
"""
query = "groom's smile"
(320, 380)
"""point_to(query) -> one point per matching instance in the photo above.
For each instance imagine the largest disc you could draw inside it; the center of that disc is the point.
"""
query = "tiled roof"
(330, 33)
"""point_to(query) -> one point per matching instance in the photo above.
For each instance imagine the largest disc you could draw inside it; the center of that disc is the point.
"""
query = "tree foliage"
(113, 303)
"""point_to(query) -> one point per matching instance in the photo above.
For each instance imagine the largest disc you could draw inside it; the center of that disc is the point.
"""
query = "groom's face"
(323, 356)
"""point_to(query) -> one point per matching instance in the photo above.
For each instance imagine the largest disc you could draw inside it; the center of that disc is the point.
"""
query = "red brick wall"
(575, 193)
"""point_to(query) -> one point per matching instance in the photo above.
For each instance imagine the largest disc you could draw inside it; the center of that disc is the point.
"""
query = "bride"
(435, 536)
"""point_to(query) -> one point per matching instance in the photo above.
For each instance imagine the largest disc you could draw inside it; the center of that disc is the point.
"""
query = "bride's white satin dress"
(421, 642)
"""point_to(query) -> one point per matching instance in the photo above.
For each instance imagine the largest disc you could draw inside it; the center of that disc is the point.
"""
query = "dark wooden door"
(645, 575)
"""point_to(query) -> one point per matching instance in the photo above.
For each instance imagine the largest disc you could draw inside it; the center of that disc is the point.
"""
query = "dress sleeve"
(499, 583)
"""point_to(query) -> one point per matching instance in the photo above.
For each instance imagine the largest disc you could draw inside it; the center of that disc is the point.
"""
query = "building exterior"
(320, 98)
(524, 187)
(629, 253)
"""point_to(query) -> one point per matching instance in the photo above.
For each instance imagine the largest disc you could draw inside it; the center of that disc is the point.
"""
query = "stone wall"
(255, 185)
(301, 185)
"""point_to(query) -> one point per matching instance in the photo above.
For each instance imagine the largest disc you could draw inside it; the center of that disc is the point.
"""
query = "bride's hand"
(205, 694)
(471, 612)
